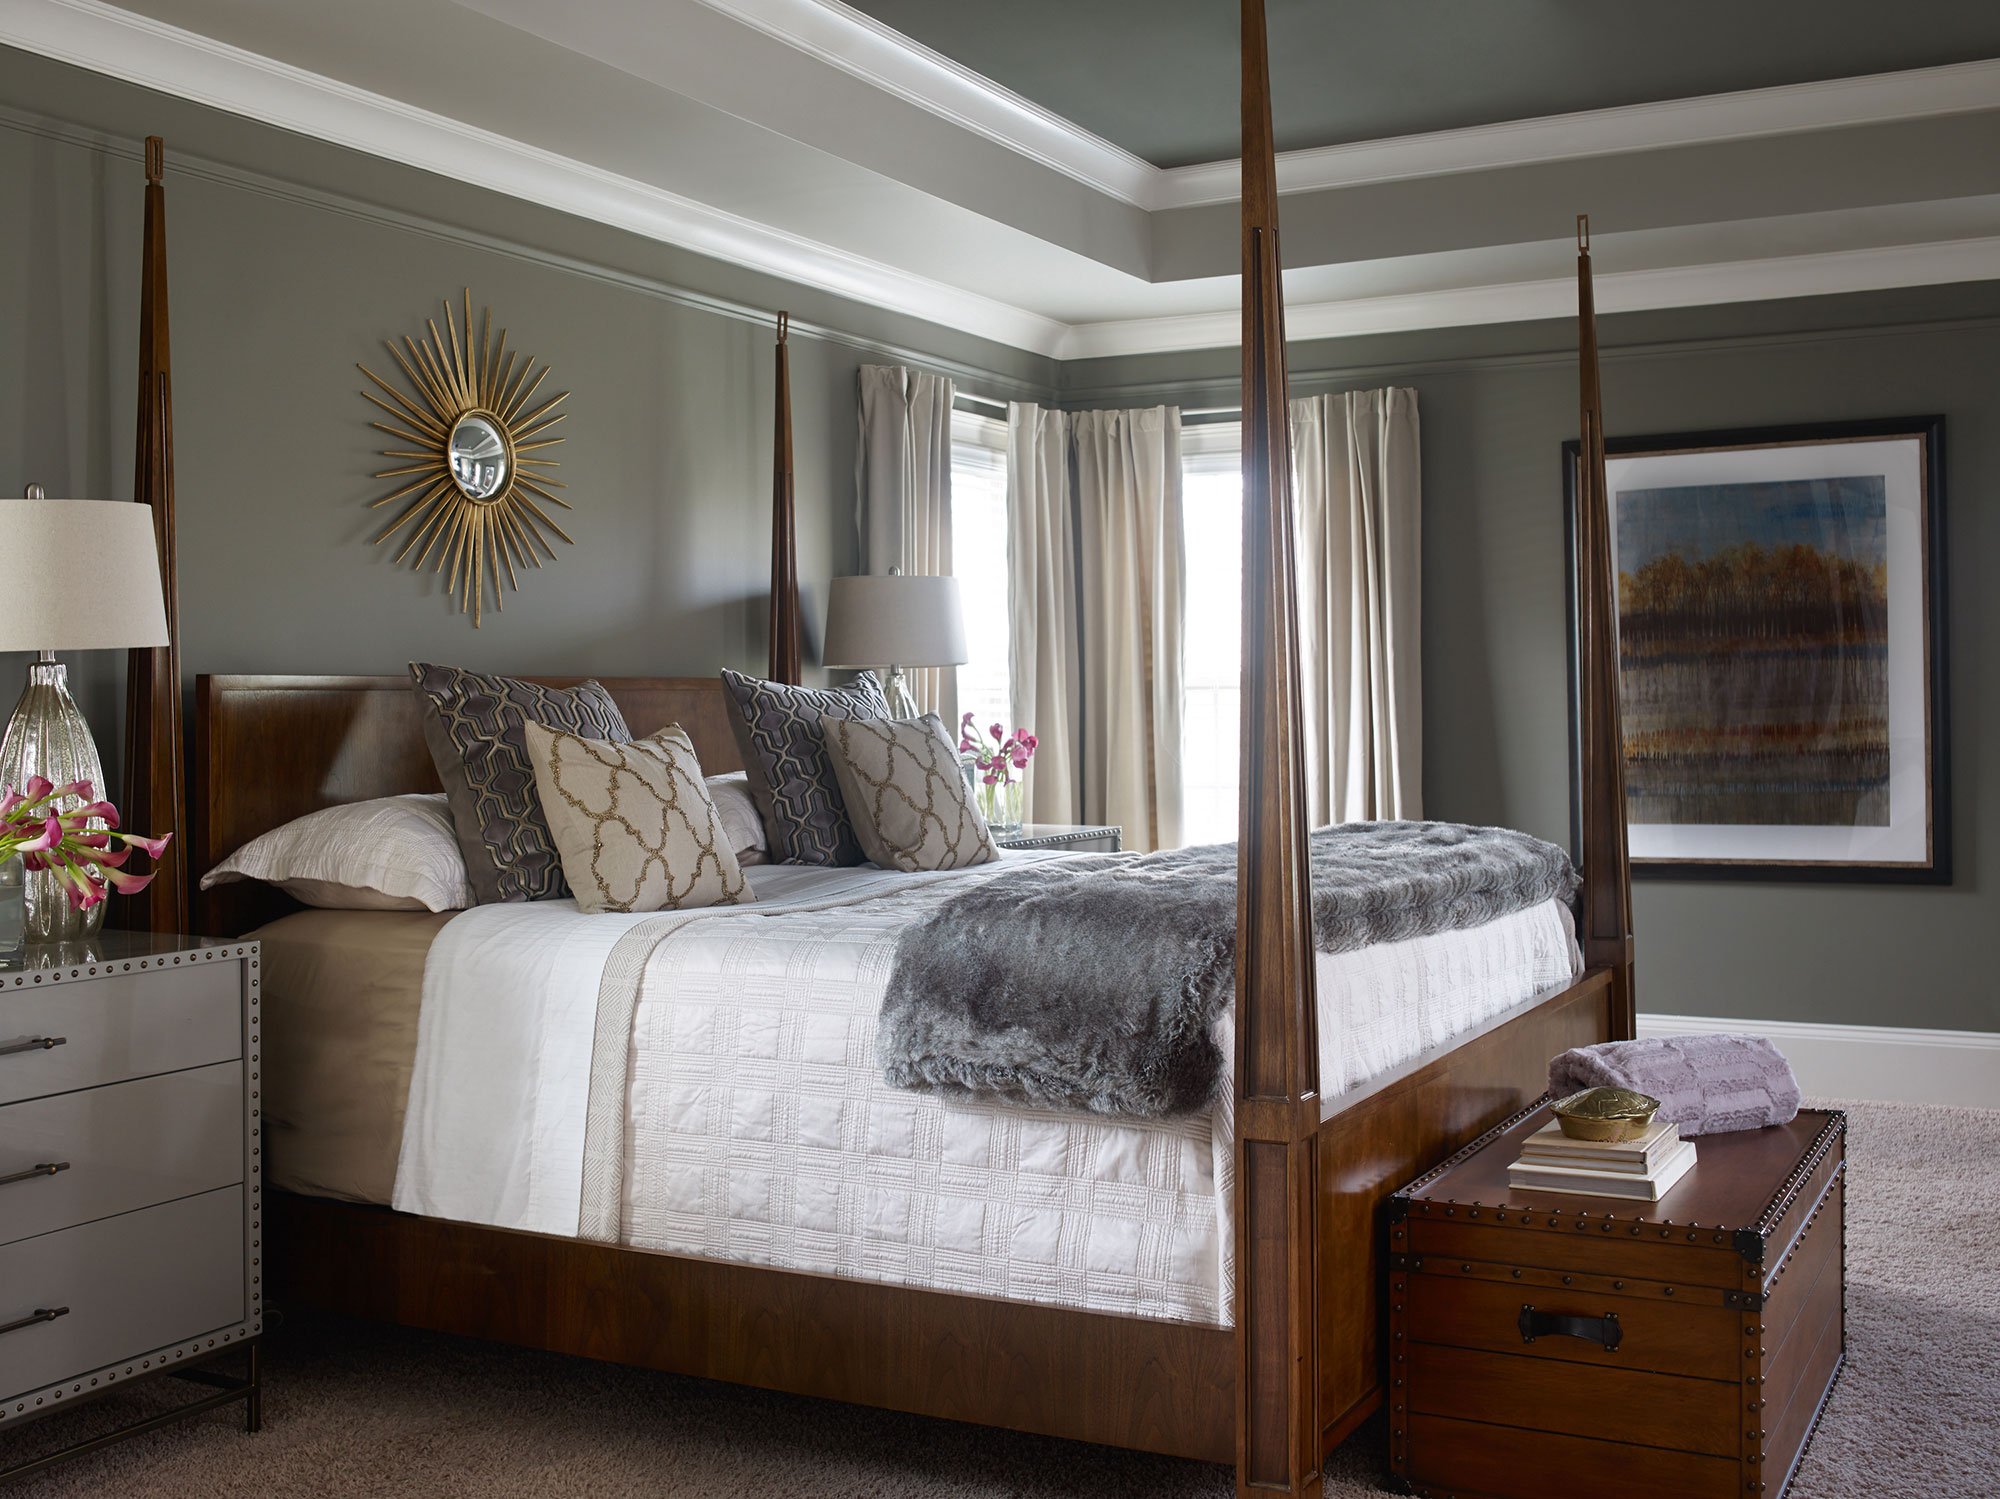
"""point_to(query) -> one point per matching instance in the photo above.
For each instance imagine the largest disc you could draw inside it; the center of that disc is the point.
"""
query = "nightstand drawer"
(125, 1146)
(131, 1284)
(121, 1027)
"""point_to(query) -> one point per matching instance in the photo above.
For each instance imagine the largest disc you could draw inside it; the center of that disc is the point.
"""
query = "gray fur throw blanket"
(1095, 982)
(1705, 1084)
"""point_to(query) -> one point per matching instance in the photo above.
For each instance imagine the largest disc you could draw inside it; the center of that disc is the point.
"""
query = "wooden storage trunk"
(1673, 1350)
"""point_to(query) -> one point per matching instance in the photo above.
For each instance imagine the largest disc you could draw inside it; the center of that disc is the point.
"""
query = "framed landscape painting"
(1781, 650)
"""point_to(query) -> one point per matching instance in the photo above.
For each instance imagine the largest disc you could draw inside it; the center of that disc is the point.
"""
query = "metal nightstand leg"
(227, 1387)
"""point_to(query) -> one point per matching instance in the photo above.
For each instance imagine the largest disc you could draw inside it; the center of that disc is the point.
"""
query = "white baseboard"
(1884, 1063)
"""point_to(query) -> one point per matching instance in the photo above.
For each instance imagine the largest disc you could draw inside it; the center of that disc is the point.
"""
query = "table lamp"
(895, 622)
(89, 580)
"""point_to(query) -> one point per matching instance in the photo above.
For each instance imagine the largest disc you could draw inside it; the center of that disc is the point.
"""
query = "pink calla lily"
(86, 861)
(102, 811)
(152, 847)
(127, 884)
(50, 836)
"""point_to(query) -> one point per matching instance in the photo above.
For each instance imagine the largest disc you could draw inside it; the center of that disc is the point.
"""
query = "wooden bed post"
(154, 789)
(784, 541)
(1277, 1049)
(1607, 863)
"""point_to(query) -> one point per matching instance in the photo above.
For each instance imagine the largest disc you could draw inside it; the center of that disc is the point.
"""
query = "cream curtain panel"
(1133, 601)
(1047, 675)
(1358, 508)
(902, 481)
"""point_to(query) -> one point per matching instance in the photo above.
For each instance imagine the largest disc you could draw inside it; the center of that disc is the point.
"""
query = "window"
(1212, 521)
(979, 558)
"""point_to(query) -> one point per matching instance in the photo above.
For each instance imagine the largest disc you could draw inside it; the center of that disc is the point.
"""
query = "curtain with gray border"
(1358, 510)
(902, 481)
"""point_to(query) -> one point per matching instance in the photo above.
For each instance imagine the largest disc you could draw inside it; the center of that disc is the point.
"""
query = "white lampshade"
(83, 575)
(899, 620)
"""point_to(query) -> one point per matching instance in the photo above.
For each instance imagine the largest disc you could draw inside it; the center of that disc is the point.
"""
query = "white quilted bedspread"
(756, 1126)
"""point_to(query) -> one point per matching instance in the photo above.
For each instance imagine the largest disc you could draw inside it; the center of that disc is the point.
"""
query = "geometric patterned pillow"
(634, 823)
(472, 726)
(778, 732)
(905, 794)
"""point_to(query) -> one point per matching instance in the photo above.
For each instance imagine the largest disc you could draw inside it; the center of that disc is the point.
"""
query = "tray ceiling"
(812, 141)
(1158, 77)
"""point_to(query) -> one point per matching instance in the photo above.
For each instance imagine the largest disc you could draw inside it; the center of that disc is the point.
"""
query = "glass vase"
(12, 917)
(1001, 805)
(48, 737)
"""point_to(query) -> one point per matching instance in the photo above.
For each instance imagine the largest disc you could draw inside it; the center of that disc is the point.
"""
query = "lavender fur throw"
(1707, 1085)
(1095, 982)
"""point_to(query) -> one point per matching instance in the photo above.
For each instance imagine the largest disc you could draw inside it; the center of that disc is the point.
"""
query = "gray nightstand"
(130, 1197)
(1076, 838)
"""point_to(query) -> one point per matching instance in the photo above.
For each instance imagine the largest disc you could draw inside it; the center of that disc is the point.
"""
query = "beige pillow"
(633, 822)
(905, 794)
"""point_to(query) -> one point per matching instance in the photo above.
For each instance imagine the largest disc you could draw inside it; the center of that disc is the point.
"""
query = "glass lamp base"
(897, 690)
(48, 737)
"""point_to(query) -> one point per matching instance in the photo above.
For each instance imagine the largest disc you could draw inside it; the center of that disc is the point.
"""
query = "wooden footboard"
(1370, 1149)
(1136, 1382)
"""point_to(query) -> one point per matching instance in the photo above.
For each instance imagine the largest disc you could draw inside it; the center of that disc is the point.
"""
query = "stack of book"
(1644, 1168)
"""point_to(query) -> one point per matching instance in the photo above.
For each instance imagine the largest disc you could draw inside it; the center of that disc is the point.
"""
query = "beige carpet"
(361, 1410)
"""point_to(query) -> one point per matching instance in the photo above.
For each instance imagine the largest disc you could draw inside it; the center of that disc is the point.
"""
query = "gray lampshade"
(85, 576)
(893, 621)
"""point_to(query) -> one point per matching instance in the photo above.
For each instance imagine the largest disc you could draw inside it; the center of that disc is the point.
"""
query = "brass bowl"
(1609, 1114)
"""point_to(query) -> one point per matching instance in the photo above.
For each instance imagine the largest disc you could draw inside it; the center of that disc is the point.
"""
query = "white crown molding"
(1882, 98)
(1880, 1063)
(138, 49)
(105, 39)
(858, 44)
(1833, 272)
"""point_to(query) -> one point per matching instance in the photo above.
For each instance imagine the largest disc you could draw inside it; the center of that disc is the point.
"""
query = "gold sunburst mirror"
(468, 477)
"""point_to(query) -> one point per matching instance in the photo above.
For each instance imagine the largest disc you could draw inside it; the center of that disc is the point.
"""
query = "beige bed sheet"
(342, 991)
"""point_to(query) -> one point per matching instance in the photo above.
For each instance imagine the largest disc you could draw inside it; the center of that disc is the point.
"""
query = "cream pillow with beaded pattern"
(633, 822)
(905, 794)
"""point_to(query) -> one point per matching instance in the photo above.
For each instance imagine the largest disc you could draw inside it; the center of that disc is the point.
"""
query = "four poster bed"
(1298, 1361)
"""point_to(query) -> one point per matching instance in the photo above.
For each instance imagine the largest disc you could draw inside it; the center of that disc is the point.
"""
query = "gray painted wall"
(1496, 405)
(291, 261)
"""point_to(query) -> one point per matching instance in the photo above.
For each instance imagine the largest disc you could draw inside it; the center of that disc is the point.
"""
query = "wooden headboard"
(268, 749)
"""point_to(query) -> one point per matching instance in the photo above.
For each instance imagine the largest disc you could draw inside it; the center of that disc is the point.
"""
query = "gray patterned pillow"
(472, 726)
(905, 794)
(778, 731)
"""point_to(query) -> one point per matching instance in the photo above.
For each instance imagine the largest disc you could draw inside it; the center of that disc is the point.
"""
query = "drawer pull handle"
(48, 1169)
(34, 1043)
(45, 1314)
(1604, 1330)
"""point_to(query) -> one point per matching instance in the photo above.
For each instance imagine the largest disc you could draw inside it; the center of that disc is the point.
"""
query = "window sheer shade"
(980, 560)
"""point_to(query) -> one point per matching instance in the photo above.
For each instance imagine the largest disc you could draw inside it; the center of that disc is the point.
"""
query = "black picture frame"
(1928, 431)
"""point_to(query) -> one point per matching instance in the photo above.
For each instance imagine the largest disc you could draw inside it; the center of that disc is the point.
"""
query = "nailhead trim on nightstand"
(221, 1340)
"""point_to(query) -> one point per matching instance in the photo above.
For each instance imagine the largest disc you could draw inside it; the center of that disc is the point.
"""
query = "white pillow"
(397, 853)
(736, 810)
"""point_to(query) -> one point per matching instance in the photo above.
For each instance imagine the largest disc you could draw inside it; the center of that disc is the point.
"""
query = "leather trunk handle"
(1603, 1331)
